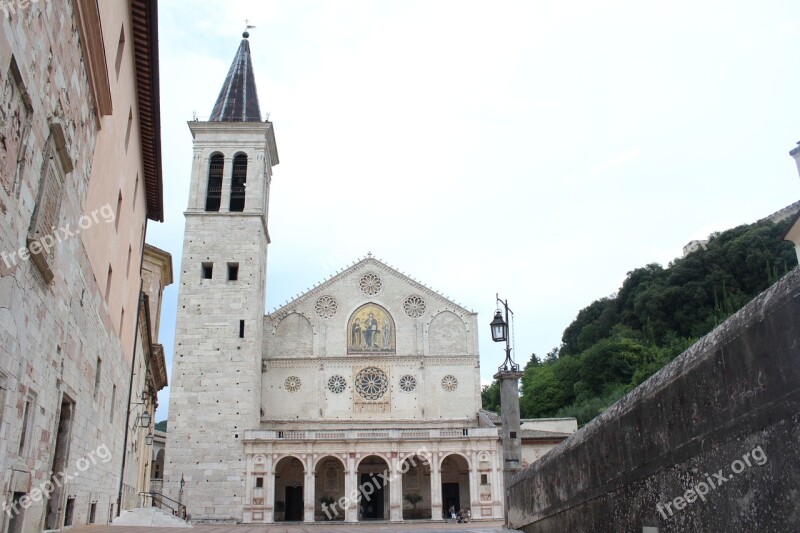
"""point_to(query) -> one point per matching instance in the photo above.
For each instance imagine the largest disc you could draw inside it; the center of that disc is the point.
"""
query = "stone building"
(80, 175)
(368, 382)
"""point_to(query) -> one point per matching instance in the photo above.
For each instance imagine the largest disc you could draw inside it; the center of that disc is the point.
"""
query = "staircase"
(148, 517)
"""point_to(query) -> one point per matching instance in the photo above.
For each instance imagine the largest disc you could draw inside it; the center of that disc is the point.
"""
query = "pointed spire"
(238, 100)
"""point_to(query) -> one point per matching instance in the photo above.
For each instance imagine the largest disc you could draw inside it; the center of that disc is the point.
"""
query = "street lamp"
(507, 376)
(500, 333)
(499, 327)
(182, 483)
(149, 439)
(145, 419)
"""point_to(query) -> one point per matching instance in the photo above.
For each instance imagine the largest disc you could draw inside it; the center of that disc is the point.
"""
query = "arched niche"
(370, 329)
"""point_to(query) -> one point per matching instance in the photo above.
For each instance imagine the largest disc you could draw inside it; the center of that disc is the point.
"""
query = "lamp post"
(180, 497)
(508, 375)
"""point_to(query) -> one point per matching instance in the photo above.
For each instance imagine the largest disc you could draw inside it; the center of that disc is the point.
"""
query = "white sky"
(539, 149)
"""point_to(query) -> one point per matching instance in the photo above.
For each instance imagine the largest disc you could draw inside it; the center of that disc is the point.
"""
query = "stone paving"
(474, 527)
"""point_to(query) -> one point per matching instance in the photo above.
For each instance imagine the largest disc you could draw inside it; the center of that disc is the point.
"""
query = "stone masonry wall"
(51, 334)
(709, 443)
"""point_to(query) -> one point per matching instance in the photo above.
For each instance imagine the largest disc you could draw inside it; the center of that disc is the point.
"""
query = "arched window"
(238, 182)
(214, 193)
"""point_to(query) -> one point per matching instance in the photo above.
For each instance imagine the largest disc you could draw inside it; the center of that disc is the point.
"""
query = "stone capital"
(508, 374)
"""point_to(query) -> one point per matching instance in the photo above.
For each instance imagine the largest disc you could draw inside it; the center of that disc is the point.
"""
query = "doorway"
(450, 497)
(294, 504)
(59, 464)
(371, 504)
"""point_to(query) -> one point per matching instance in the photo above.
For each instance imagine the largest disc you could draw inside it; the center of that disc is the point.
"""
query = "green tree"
(490, 397)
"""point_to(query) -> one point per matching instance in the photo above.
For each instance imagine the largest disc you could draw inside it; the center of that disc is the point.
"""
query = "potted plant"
(413, 498)
(327, 501)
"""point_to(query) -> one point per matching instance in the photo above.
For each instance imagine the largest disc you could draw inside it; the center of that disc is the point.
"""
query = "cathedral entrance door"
(294, 503)
(372, 504)
(450, 498)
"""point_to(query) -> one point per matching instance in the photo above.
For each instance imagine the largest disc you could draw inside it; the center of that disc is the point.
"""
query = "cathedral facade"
(358, 400)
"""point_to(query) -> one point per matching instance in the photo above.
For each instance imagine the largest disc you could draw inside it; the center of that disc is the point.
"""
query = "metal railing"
(157, 499)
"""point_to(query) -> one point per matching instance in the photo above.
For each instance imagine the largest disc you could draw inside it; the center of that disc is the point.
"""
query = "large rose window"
(371, 383)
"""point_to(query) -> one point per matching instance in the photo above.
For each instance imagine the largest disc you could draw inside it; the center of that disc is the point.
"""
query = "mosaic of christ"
(370, 329)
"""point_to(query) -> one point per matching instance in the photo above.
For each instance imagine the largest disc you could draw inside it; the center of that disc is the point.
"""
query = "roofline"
(162, 258)
(144, 17)
(288, 308)
(795, 222)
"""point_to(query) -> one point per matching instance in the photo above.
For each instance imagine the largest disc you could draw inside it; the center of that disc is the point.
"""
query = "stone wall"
(64, 358)
(709, 443)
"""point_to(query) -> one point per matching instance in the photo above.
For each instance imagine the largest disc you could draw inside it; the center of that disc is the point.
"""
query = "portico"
(366, 474)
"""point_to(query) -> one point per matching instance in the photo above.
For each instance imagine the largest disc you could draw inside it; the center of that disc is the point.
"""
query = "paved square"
(482, 527)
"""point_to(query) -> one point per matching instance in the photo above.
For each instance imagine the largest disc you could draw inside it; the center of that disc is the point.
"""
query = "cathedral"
(358, 400)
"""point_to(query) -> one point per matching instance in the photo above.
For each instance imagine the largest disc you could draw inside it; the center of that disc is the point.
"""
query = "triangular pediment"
(351, 279)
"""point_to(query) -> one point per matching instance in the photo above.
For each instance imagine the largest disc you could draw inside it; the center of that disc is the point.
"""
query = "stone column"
(395, 490)
(509, 412)
(436, 488)
(474, 491)
(225, 196)
(350, 489)
(308, 491)
(498, 498)
(269, 491)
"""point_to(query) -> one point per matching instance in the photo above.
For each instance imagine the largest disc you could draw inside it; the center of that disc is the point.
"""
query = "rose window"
(326, 306)
(292, 384)
(414, 306)
(337, 384)
(371, 383)
(408, 383)
(370, 284)
(449, 383)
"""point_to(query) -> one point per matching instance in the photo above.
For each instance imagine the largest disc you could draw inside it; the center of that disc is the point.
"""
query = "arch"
(370, 329)
(157, 471)
(327, 457)
(372, 475)
(417, 491)
(455, 476)
(329, 483)
(459, 454)
(289, 480)
(216, 163)
(294, 336)
(238, 182)
(447, 334)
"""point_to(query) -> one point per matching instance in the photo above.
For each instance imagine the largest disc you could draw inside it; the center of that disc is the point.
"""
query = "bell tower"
(215, 390)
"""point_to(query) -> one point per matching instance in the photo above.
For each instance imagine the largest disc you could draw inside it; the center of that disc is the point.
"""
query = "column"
(351, 490)
(436, 488)
(269, 491)
(308, 490)
(474, 492)
(498, 499)
(395, 490)
(512, 443)
(225, 197)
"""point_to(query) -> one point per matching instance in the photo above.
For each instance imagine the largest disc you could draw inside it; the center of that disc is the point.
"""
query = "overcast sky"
(539, 149)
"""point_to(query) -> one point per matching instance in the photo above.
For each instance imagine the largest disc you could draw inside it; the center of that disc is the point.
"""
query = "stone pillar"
(308, 491)
(395, 490)
(436, 488)
(269, 491)
(225, 196)
(474, 490)
(498, 498)
(350, 489)
(509, 412)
